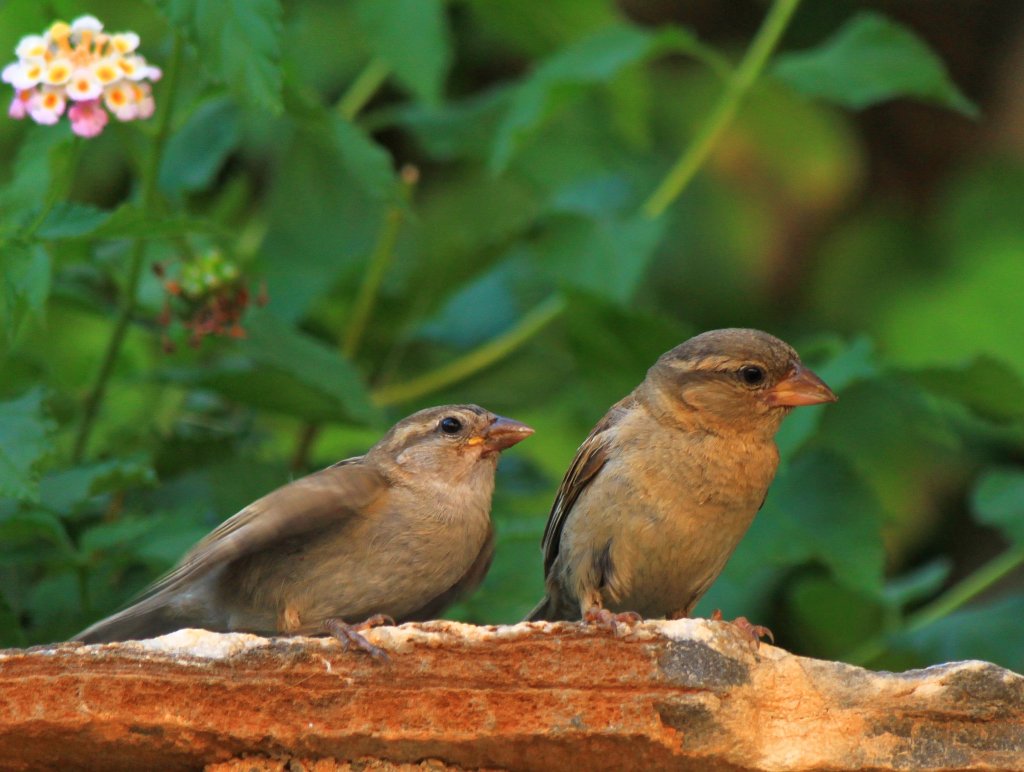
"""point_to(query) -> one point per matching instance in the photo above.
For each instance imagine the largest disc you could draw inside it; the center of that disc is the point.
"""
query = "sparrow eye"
(451, 425)
(752, 375)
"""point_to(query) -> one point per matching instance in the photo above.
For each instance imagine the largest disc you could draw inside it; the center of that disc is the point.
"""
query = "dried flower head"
(80, 64)
(209, 297)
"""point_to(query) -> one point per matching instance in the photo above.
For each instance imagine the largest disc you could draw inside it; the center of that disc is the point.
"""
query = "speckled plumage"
(664, 487)
(402, 531)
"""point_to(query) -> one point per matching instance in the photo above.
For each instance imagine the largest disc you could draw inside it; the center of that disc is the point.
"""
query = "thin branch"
(744, 76)
(476, 360)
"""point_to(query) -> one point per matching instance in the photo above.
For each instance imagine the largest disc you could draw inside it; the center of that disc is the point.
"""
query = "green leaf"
(591, 61)
(198, 149)
(338, 138)
(67, 489)
(239, 43)
(366, 161)
(850, 364)
(484, 307)
(68, 220)
(988, 387)
(31, 526)
(40, 159)
(452, 130)
(25, 271)
(325, 209)
(872, 59)
(824, 616)
(412, 37)
(820, 509)
(130, 222)
(24, 441)
(614, 344)
(998, 500)
(918, 584)
(120, 536)
(606, 255)
(990, 632)
(274, 343)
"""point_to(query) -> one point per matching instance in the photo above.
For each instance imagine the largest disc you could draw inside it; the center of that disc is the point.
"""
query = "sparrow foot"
(350, 635)
(377, 620)
(596, 615)
(751, 633)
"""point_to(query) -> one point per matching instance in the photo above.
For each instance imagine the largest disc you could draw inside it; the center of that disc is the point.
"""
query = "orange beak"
(800, 387)
(501, 434)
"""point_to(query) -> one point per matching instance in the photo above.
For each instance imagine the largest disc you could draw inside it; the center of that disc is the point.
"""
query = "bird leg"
(599, 615)
(751, 633)
(350, 635)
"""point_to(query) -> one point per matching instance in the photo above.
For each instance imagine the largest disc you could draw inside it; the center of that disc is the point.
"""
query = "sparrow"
(396, 534)
(666, 484)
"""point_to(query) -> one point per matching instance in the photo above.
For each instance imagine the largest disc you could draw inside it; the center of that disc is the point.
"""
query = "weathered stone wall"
(685, 695)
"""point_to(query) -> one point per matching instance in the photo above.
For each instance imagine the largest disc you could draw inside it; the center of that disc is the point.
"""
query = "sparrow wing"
(322, 499)
(590, 459)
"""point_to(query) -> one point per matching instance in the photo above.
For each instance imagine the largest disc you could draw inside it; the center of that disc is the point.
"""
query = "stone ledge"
(688, 695)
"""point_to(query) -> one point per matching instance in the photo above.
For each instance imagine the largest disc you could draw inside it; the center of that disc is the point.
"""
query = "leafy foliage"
(869, 60)
(446, 203)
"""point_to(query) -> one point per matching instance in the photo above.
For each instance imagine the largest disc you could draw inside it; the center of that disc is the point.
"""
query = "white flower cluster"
(80, 64)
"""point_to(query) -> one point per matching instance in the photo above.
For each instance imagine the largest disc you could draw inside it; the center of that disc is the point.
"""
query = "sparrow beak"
(502, 433)
(800, 387)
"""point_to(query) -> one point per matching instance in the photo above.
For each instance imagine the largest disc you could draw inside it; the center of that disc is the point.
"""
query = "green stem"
(744, 76)
(944, 605)
(363, 88)
(380, 259)
(148, 197)
(476, 360)
(967, 589)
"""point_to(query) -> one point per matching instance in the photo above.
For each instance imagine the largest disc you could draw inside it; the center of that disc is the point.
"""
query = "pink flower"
(46, 106)
(19, 105)
(81, 67)
(87, 118)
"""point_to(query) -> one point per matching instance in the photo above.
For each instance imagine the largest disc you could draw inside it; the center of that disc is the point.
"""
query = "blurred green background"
(455, 202)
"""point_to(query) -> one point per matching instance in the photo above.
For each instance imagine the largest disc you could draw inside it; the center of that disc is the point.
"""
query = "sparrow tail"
(545, 611)
(134, 623)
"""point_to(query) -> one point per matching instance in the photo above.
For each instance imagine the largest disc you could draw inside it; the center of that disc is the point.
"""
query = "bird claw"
(751, 633)
(350, 635)
(596, 615)
(377, 620)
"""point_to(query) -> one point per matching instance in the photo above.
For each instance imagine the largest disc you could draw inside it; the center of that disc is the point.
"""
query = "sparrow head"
(449, 440)
(739, 379)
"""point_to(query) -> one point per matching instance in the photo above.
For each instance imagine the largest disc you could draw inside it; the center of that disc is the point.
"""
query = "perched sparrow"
(402, 531)
(660, 493)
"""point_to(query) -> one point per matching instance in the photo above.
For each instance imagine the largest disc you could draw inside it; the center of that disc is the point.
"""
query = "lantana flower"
(79, 69)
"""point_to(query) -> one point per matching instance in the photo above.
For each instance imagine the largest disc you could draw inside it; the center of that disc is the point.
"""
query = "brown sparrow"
(398, 533)
(664, 487)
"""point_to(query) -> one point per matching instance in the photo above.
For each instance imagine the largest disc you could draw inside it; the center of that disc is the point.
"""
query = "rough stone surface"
(687, 695)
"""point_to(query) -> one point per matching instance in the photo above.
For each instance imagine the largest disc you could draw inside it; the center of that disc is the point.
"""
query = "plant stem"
(148, 196)
(363, 88)
(476, 360)
(944, 605)
(380, 259)
(743, 77)
(965, 590)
